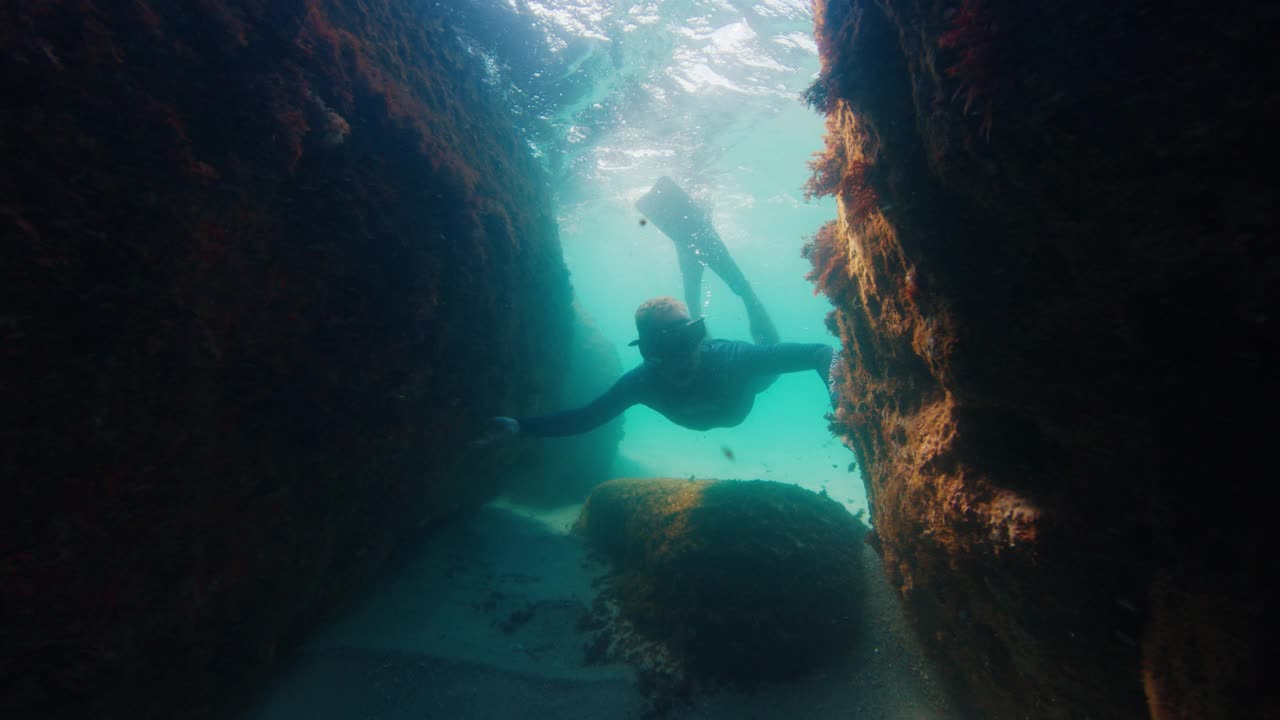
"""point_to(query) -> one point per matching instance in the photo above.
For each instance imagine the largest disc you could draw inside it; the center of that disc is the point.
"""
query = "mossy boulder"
(743, 582)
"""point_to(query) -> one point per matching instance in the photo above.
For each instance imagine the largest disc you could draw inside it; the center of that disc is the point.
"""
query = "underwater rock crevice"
(562, 471)
(1051, 294)
(263, 269)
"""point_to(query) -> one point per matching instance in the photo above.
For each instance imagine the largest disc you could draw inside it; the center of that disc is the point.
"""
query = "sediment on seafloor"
(724, 581)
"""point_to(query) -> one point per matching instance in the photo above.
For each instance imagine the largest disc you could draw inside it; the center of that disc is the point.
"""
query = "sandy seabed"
(483, 622)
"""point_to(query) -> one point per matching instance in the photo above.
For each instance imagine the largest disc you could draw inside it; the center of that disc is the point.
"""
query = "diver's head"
(669, 339)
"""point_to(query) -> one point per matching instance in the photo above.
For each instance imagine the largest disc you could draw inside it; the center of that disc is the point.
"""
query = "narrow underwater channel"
(344, 370)
(493, 617)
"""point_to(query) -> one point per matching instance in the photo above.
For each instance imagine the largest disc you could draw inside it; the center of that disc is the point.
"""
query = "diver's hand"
(832, 377)
(500, 429)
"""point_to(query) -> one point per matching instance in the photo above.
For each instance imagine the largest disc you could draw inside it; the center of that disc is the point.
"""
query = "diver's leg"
(691, 271)
(696, 241)
(763, 331)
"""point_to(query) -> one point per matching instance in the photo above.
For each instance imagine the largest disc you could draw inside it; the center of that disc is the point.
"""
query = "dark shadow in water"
(346, 683)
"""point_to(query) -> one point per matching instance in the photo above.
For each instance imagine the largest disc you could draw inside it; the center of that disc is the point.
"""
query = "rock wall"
(558, 471)
(1055, 280)
(264, 267)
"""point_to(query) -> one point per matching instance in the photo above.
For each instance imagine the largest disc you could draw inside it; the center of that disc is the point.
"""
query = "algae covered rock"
(1051, 265)
(264, 267)
(740, 581)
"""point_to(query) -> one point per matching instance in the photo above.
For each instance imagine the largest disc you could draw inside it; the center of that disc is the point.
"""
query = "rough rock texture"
(1055, 273)
(742, 581)
(562, 470)
(262, 269)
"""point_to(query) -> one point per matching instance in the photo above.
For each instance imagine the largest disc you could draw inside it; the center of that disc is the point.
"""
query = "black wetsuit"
(724, 387)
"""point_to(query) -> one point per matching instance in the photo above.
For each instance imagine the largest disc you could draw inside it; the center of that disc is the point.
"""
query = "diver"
(693, 381)
(698, 246)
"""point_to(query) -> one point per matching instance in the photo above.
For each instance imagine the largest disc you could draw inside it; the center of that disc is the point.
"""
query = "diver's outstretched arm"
(624, 393)
(779, 358)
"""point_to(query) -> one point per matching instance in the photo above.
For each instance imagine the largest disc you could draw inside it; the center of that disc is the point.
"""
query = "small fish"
(728, 452)
(643, 222)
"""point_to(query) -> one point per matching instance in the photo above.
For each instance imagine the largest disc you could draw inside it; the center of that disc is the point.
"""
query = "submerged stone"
(741, 582)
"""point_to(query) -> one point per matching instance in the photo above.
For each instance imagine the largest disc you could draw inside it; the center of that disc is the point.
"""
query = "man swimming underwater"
(693, 381)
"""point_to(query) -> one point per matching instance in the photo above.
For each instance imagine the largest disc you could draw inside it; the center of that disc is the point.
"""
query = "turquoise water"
(484, 621)
(617, 263)
(719, 112)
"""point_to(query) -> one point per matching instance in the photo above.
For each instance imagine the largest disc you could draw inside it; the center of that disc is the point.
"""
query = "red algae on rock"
(1052, 338)
(261, 266)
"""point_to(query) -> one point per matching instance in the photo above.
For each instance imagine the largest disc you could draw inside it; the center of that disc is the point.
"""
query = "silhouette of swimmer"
(693, 381)
(698, 245)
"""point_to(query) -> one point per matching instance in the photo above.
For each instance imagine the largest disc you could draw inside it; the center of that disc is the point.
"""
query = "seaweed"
(830, 274)
(973, 34)
(846, 172)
